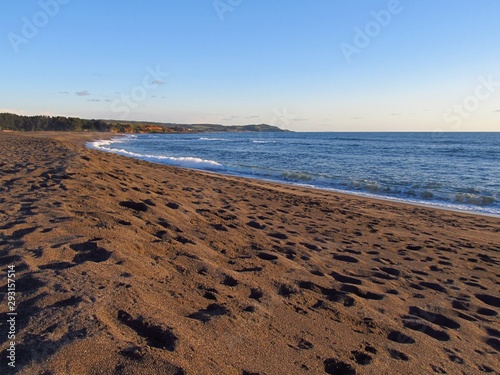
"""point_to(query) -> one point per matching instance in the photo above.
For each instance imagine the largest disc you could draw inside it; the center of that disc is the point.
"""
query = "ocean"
(459, 171)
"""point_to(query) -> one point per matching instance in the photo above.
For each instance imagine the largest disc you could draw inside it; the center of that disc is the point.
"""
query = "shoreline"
(437, 205)
(126, 266)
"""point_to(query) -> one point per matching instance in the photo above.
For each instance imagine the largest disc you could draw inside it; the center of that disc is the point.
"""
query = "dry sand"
(127, 267)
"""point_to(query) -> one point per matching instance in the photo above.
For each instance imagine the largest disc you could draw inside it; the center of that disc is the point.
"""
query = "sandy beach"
(127, 267)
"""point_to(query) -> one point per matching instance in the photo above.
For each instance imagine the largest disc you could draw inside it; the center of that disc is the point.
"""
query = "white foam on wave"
(101, 143)
(187, 162)
(369, 189)
(213, 139)
(105, 143)
(264, 141)
(489, 211)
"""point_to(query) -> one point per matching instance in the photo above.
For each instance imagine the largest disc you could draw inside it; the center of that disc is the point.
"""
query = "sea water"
(459, 171)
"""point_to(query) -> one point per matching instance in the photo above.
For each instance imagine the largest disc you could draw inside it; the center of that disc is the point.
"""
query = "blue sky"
(339, 65)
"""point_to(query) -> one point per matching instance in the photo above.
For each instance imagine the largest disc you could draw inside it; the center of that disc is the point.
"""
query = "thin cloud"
(82, 93)
(231, 118)
(94, 100)
(159, 82)
(498, 110)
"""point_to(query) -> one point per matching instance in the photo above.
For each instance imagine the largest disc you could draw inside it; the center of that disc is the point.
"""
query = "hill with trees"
(13, 122)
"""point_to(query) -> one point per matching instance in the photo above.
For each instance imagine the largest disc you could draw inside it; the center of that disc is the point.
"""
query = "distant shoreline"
(13, 122)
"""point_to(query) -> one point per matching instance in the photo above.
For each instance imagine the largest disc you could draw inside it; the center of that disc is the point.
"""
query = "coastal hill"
(13, 122)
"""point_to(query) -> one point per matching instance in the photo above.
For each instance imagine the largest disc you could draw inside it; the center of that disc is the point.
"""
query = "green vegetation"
(12, 122)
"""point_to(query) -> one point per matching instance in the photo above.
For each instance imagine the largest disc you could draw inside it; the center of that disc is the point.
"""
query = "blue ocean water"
(458, 171)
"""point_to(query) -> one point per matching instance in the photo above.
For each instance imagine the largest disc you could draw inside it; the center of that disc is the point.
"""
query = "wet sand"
(127, 267)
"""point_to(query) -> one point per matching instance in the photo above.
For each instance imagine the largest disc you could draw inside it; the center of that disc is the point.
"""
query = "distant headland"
(13, 122)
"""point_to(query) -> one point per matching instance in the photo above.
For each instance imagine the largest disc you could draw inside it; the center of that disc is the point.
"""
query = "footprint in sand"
(426, 329)
(362, 358)
(400, 337)
(211, 311)
(435, 318)
(89, 251)
(346, 279)
(267, 256)
(229, 281)
(396, 354)
(488, 299)
(136, 206)
(345, 258)
(256, 294)
(335, 367)
(156, 336)
(279, 236)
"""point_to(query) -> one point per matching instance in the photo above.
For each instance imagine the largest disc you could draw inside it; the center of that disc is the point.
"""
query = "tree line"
(12, 122)
(9, 121)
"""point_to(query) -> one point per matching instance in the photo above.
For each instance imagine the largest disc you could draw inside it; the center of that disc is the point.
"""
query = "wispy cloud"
(158, 82)
(82, 93)
(93, 100)
(63, 92)
(231, 118)
(498, 110)
(252, 117)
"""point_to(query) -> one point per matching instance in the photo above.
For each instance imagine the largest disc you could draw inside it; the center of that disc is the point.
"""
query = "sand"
(127, 267)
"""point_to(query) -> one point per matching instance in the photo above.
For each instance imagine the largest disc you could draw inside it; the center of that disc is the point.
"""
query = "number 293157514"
(11, 288)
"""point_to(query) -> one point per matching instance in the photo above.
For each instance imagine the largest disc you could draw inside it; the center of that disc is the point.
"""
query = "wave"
(106, 142)
(213, 139)
(443, 204)
(187, 162)
(478, 202)
(232, 140)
